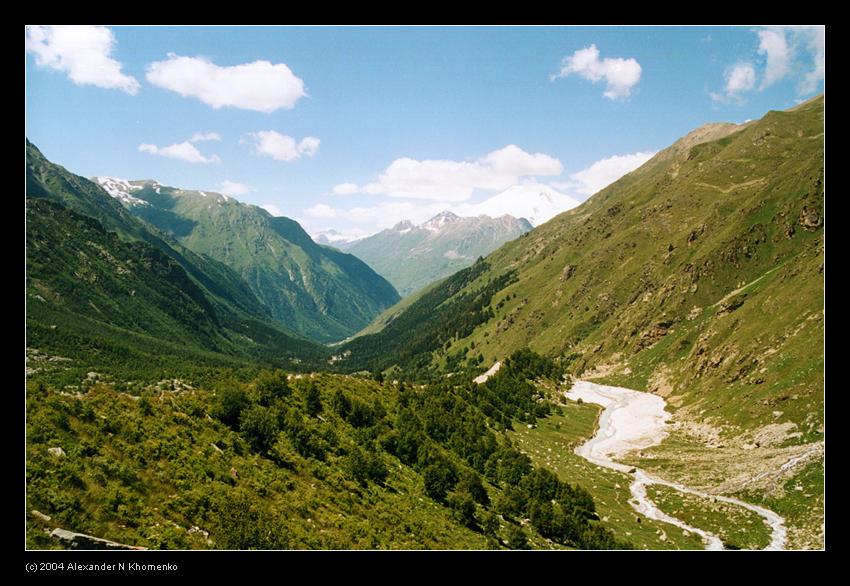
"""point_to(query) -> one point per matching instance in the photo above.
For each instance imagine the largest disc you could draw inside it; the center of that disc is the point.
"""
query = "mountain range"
(318, 292)
(411, 257)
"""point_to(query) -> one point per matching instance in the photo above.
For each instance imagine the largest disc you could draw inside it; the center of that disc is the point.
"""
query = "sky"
(357, 128)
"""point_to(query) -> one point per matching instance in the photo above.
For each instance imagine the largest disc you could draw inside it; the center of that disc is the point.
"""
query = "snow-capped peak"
(120, 189)
(436, 223)
(535, 202)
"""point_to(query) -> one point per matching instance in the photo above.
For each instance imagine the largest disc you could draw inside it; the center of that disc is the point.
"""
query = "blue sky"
(355, 128)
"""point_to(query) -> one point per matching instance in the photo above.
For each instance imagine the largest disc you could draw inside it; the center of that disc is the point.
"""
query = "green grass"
(801, 501)
(737, 527)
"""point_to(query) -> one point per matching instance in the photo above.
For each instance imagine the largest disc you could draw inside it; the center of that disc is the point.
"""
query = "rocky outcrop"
(73, 540)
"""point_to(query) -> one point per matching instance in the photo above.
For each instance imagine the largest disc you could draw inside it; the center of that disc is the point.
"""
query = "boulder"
(40, 516)
(58, 452)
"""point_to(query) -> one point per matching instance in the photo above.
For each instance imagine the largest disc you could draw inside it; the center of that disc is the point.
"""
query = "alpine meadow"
(333, 288)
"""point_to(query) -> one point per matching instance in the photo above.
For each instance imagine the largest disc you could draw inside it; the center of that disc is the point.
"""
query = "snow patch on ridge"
(120, 189)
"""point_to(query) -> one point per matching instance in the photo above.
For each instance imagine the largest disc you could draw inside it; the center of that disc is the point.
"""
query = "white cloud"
(445, 180)
(604, 172)
(785, 50)
(201, 136)
(261, 86)
(528, 198)
(321, 210)
(281, 147)
(83, 52)
(774, 46)
(346, 189)
(183, 151)
(814, 38)
(309, 146)
(620, 75)
(272, 209)
(740, 78)
(233, 188)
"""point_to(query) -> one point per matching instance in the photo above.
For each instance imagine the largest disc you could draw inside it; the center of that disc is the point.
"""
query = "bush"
(312, 400)
(463, 508)
(259, 426)
(271, 385)
(517, 538)
(439, 478)
(230, 400)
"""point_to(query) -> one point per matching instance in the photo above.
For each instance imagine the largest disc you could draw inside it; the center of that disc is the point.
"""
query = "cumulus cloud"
(183, 151)
(740, 78)
(346, 189)
(261, 85)
(774, 46)
(525, 198)
(82, 52)
(446, 180)
(309, 146)
(785, 52)
(280, 147)
(604, 172)
(202, 136)
(233, 188)
(620, 75)
(321, 210)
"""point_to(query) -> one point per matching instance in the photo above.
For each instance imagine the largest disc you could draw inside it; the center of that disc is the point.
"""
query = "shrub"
(259, 426)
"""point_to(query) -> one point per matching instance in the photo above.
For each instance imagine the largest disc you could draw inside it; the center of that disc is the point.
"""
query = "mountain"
(698, 276)
(316, 291)
(411, 257)
(107, 289)
(535, 202)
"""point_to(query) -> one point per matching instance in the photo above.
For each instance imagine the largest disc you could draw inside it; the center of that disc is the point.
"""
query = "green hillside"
(106, 292)
(319, 292)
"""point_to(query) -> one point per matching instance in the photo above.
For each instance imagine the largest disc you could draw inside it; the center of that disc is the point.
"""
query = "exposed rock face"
(810, 219)
(73, 540)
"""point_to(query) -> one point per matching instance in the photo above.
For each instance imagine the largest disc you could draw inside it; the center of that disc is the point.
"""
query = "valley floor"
(668, 491)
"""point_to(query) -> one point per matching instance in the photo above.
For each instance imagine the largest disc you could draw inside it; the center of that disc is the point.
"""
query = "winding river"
(632, 420)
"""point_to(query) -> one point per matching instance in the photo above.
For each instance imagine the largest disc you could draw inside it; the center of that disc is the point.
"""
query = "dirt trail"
(632, 420)
(733, 186)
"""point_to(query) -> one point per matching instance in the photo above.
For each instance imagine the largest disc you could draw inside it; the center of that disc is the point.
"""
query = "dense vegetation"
(321, 461)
